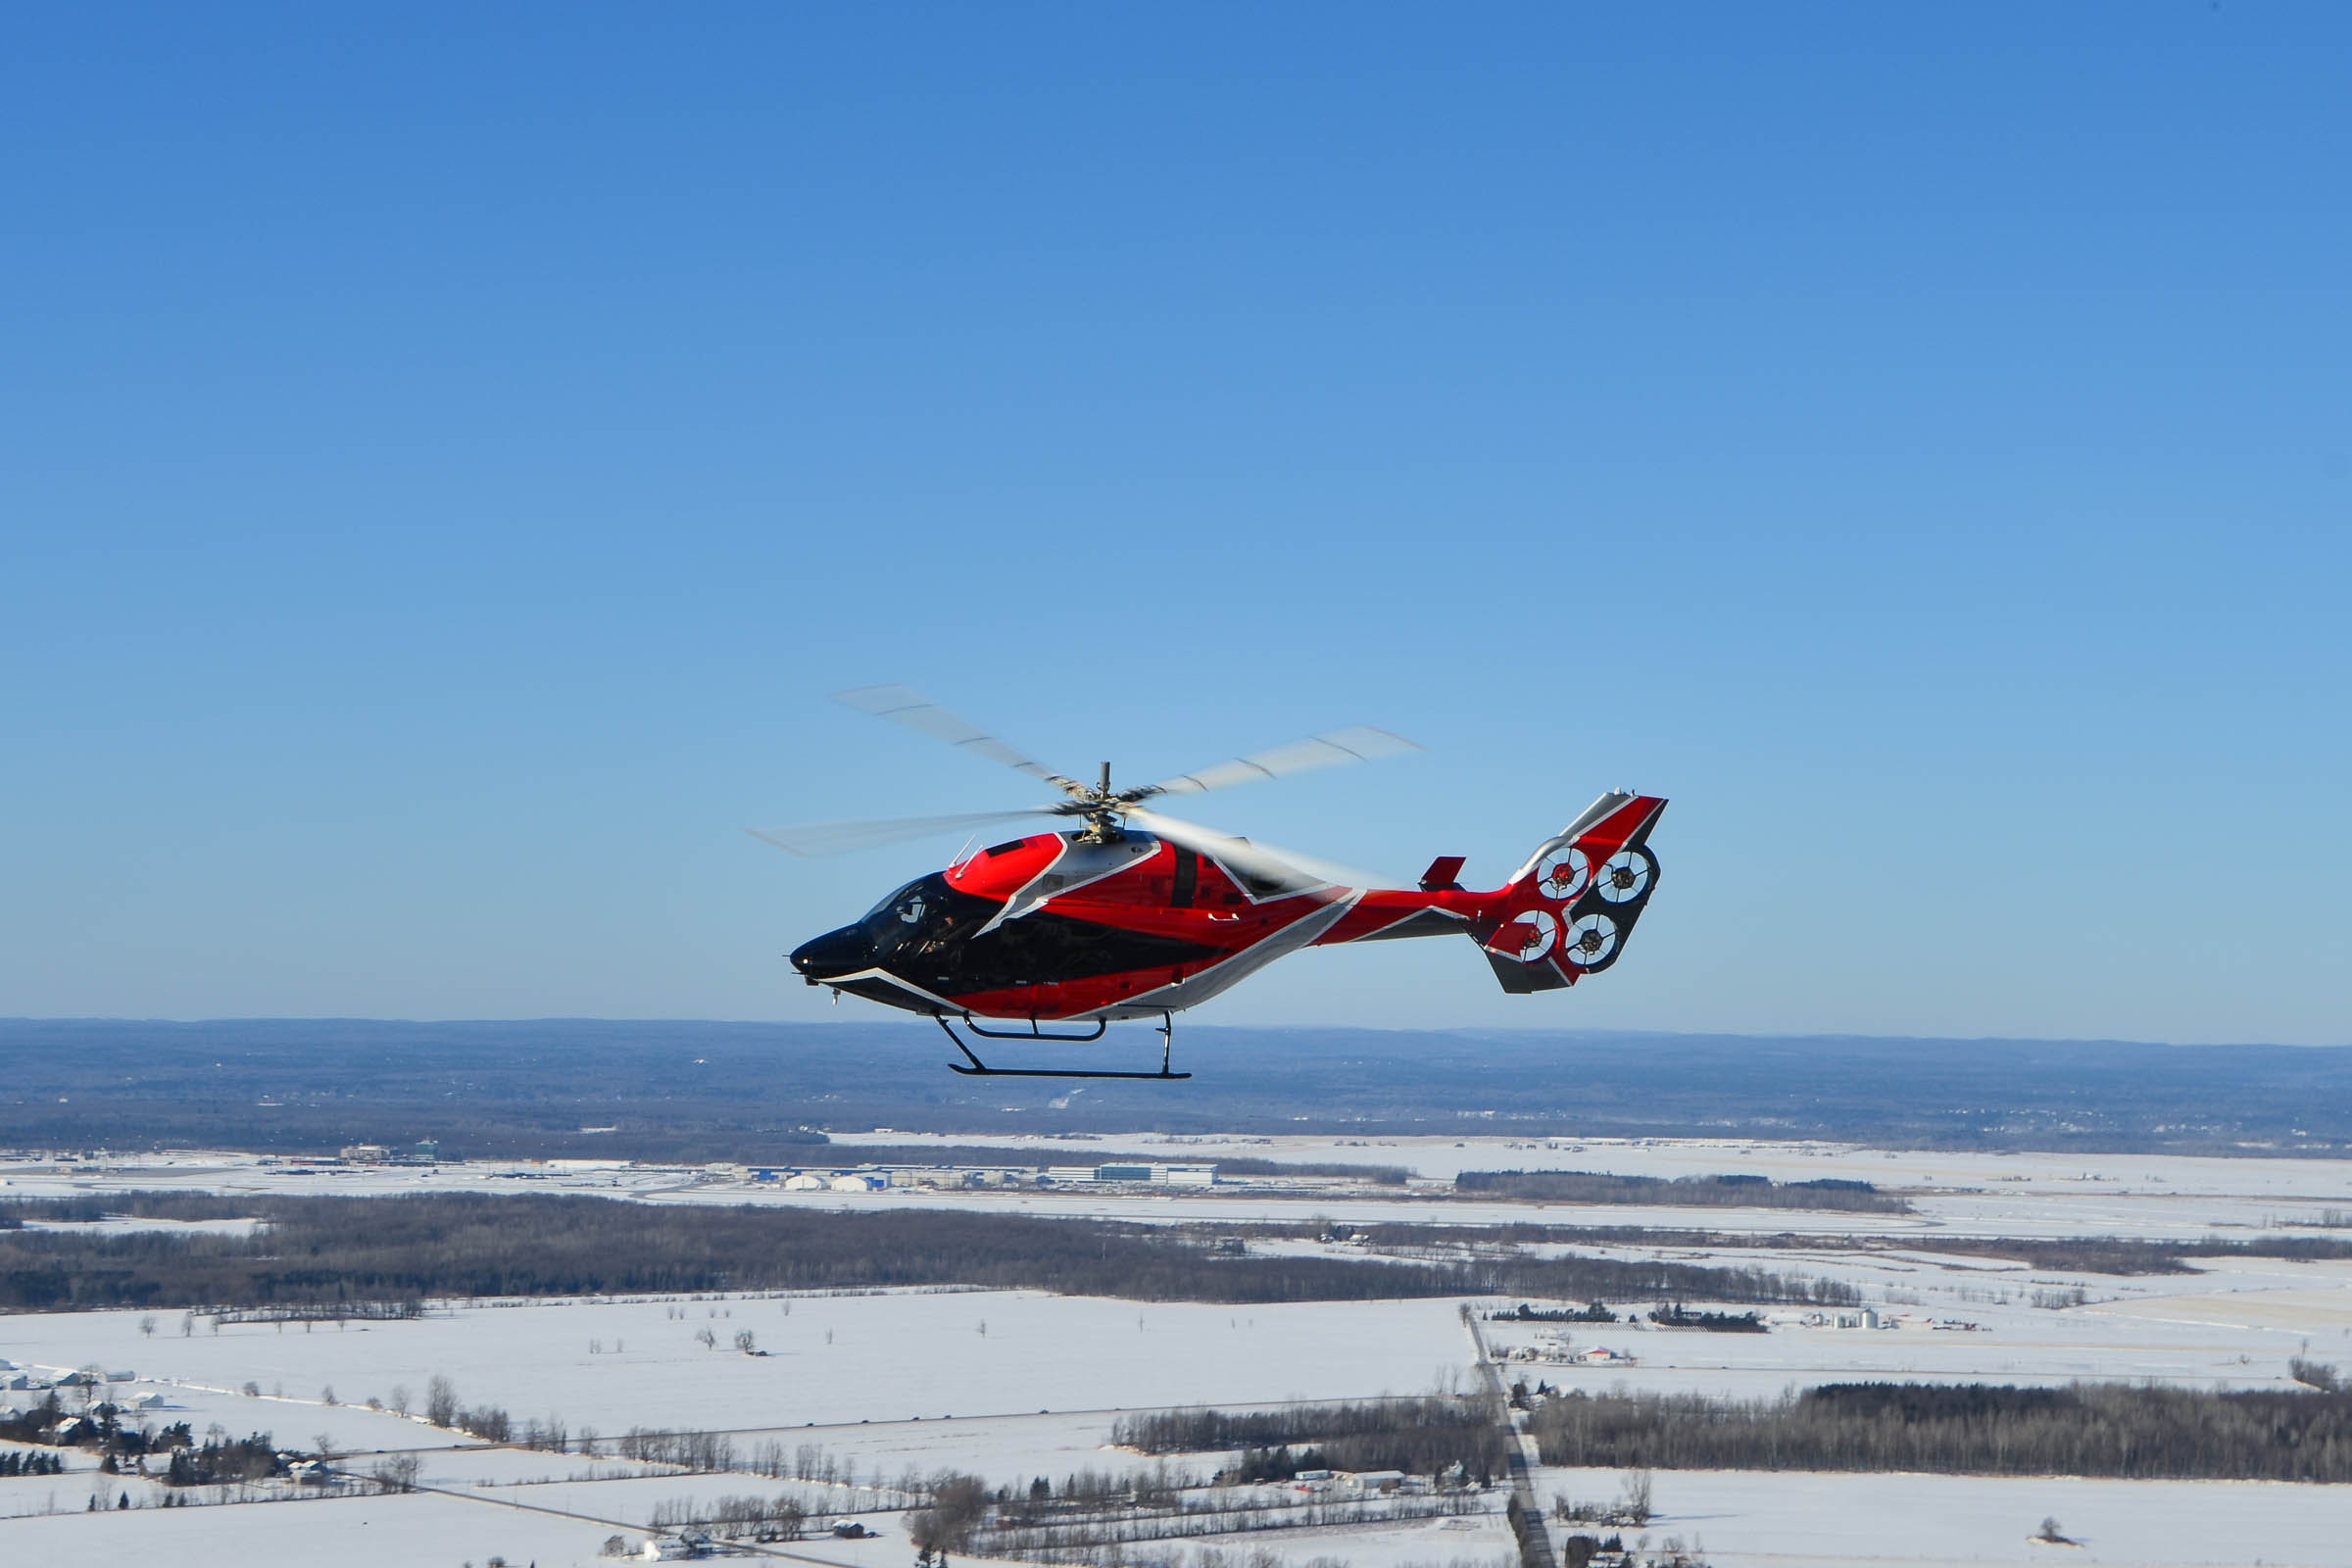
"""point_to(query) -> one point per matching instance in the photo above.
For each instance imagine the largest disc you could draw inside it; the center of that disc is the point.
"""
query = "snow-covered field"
(1748, 1519)
(415, 1531)
(2004, 1195)
(1013, 1385)
(1480, 1540)
(832, 1360)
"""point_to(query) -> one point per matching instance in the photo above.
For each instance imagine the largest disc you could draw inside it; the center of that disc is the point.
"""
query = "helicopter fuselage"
(1085, 926)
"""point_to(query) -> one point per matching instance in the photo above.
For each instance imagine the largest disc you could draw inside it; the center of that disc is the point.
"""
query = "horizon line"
(1794, 1037)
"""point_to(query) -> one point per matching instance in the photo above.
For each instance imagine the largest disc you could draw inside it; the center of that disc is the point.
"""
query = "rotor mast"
(1103, 825)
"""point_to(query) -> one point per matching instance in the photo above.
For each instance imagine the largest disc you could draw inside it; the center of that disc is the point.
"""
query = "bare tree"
(1633, 1495)
(744, 1340)
(958, 1504)
(440, 1401)
(397, 1474)
(400, 1400)
(2320, 1375)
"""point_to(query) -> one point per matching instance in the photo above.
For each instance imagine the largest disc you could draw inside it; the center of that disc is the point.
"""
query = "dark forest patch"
(312, 1251)
(2081, 1429)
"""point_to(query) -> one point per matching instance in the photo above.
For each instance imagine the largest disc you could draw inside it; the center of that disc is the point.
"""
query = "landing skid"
(981, 1070)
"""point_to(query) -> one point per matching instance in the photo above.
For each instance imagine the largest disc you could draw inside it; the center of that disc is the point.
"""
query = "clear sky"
(448, 456)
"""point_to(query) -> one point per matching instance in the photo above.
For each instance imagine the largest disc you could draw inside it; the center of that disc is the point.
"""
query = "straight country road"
(1535, 1541)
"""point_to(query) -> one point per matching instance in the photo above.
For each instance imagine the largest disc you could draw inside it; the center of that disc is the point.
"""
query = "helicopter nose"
(836, 952)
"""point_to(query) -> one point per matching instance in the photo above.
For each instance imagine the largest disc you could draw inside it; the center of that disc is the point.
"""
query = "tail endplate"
(1567, 912)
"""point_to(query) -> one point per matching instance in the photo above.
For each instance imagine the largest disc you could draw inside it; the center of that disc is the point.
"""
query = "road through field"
(1534, 1537)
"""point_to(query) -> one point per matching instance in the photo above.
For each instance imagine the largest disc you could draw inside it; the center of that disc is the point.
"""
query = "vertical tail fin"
(1567, 912)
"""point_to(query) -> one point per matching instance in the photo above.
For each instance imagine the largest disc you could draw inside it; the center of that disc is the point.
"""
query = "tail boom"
(1564, 915)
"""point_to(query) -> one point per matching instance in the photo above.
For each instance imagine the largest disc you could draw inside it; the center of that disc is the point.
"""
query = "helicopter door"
(1188, 877)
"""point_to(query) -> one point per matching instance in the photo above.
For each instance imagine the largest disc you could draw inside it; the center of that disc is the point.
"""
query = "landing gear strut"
(1167, 1031)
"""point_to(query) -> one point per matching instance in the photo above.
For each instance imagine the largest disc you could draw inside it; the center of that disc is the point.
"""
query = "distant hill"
(748, 1091)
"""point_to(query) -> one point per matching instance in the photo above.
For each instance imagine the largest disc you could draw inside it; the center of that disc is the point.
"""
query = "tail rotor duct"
(1625, 876)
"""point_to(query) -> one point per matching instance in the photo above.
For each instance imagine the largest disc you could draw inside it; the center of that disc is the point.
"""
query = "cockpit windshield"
(917, 918)
(889, 923)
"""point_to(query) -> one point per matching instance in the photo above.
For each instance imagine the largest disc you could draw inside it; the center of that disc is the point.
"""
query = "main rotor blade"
(1358, 743)
(918, 712)
(1262, 861)
(840, 838)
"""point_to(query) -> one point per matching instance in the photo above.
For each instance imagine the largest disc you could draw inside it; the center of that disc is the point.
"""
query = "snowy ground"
(416, 1530)
(1748, 1519)
(1954, 1193)
(1477, 1541)
(1016, 1383)
(832, 1360)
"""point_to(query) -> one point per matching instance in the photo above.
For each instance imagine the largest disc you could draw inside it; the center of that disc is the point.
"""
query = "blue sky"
(446, 461)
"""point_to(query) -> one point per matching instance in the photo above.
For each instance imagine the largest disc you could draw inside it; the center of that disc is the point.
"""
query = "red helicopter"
(1136, 915)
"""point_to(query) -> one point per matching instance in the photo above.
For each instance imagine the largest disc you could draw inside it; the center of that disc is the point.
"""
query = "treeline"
(1692, 1192)
(218, 1460)
(1590, 1313)
(1113, 1528)
(2115, 1255)
(760, 1518)
(399, 1248)
(2084, 1429)
(1418, 1436)
(2085, 1255)
(1679, 1317)
(85, 1209)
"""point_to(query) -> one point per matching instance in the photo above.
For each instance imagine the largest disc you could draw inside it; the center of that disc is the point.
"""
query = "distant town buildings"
(424, 1151)
(878, 1178)
(1869, 1317)
(1157, 1175)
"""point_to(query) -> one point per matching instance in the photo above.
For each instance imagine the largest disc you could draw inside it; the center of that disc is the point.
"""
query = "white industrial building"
(1152, 1174)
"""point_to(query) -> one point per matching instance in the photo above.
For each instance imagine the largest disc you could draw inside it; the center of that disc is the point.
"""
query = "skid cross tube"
(981, 1070)
(1034, 1033)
